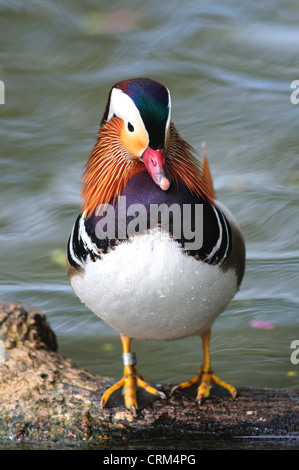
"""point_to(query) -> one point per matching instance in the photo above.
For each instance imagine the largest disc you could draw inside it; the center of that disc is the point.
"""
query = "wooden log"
(44, 397)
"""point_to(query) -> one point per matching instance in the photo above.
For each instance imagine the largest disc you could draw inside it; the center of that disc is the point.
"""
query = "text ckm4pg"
(150, 459)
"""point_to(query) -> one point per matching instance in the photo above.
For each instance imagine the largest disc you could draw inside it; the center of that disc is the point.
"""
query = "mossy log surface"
(45, 397)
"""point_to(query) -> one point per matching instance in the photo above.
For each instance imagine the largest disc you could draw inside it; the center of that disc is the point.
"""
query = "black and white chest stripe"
(83, 245)
(223, 246)
(80, 245)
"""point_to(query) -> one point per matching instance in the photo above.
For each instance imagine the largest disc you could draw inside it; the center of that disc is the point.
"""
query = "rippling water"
(229, 68)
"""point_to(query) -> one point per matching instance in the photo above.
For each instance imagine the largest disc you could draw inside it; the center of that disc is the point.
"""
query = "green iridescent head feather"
(153, 102)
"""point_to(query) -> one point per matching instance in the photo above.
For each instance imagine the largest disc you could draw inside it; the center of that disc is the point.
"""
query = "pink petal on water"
(262, 325)
(116, 21)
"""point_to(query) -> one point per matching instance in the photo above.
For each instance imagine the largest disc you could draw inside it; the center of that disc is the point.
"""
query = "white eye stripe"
(121, 105)
(124, 107)
(169, 113)
(169, 107)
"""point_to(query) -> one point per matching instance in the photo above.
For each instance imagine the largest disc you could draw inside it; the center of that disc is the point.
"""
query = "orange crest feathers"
(108, 168)
(183, 165)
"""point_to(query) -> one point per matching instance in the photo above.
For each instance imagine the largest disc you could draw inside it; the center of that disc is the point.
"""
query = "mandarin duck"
(152, 253)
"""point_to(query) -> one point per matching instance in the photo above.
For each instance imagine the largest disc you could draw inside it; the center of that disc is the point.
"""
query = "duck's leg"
(205, 377)
(131, 381)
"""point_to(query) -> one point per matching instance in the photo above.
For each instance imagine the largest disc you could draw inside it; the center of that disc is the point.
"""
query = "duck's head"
(144, 107)
(136, 134)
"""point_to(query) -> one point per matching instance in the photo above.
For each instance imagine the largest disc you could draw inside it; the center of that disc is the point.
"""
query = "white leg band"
(129, 359)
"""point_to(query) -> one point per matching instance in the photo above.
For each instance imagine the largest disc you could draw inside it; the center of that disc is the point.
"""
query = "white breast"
(148, 289)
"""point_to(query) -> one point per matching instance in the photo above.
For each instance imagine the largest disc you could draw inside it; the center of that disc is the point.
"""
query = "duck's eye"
(130, 127)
